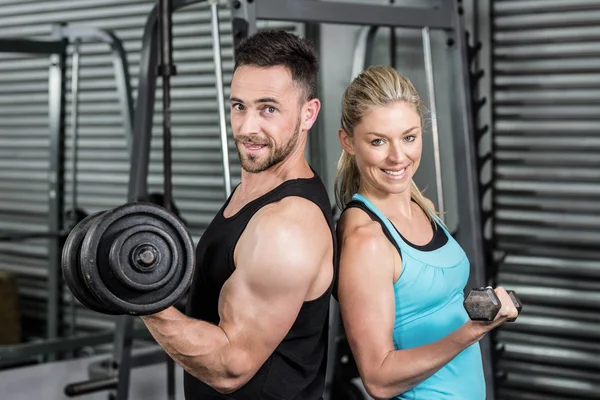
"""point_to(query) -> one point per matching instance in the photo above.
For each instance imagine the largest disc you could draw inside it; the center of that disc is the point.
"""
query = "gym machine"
(60, 219)
(447, 18)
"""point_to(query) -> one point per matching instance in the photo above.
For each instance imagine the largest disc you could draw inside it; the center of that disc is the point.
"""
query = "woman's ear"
(345, 141)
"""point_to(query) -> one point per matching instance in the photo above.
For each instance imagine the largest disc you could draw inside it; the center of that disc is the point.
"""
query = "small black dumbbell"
(483, 304)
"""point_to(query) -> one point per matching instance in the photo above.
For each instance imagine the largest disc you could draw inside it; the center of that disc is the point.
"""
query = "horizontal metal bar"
(554, 385)
(547, 96)
(27, 46)
(27, 350)
(560, 314)
(566, 34)
(545, 6)
(505, 393)
(544, 157)
(591, 346)
(589, 143)
(556, 296)
(91, 386)
(352, 14)
(546, 20)
(544, 264)
(546, 370)
(557, 173)
(551, 355)
(566, 190)
(541, 234)
(548, 326)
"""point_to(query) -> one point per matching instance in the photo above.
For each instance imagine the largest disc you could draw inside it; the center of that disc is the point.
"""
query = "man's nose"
(249, 124)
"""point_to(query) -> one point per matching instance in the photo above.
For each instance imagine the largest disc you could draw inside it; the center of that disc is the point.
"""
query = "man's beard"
(253, 164)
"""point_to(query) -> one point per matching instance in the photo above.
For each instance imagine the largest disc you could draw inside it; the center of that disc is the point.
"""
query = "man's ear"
(310, 113)
(345, 141)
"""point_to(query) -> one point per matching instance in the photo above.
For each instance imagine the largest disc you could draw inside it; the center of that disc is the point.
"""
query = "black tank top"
(296, 369)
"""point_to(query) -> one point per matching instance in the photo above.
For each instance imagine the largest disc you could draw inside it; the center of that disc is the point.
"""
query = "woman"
(402, 275)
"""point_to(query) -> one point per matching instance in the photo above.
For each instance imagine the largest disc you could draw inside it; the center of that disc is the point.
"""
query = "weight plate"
(72, 271)
(138, 258)
(482, 304)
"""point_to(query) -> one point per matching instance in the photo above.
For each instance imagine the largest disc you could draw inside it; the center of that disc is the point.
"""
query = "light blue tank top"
(429, 305)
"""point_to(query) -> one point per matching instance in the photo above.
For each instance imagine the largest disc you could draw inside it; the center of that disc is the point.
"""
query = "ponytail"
(347, 180)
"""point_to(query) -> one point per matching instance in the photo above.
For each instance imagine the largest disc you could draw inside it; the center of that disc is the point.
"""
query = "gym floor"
(47, 381)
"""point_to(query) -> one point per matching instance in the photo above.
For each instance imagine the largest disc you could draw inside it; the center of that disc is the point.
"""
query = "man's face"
(266, 108)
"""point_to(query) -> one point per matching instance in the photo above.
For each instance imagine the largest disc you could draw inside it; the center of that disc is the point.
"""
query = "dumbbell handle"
(483, 304)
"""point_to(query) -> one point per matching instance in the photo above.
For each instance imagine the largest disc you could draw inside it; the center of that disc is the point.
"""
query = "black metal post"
(56, 190)
(469, 234)
(166, 69)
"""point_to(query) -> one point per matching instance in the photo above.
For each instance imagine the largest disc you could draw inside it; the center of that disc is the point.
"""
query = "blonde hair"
(376, 86)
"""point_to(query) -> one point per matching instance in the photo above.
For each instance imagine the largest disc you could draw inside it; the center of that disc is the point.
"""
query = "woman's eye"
(410, 138)
(377, 142)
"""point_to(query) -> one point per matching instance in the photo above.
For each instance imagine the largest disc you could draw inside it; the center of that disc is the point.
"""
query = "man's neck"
(255, 185)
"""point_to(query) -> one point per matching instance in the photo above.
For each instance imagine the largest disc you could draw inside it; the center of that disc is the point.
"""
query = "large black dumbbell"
(482, 304)
(135, 259)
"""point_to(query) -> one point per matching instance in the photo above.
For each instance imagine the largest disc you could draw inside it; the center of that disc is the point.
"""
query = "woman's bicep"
(366, 298)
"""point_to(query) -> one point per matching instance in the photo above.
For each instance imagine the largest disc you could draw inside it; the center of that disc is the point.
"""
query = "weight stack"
(10, 328)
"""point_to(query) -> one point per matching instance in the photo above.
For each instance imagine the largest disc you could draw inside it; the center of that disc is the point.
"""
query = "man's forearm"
(200, 348)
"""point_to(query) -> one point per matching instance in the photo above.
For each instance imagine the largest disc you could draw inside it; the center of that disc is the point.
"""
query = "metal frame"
(120, 64)
(349, 13)
(469, 233)
(10, 355)
(245, 14)
(448, 18)
(144, 110)
(57, 50)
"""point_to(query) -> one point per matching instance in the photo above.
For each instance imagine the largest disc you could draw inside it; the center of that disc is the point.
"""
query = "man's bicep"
(261, 300)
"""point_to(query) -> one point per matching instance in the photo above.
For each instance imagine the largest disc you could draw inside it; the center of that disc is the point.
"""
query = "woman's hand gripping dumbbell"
(494, 306)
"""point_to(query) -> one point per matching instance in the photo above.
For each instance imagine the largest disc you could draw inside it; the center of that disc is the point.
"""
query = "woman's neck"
(390, 204)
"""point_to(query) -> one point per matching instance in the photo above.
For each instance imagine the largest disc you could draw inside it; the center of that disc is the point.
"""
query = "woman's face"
(387, 146)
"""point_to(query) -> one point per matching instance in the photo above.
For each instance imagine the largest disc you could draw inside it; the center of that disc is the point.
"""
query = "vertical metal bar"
(469, 234)
(74, 152)
(393, 44)
(316, 140)
(216, 42)
(123, 83)
(166, 70)
(56, 192)
(243, 19)
(144, 113)
(170, 378)
(122, 354)
(434, 127)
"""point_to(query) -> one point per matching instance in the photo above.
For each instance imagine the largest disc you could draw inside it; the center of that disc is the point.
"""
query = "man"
(257, 317)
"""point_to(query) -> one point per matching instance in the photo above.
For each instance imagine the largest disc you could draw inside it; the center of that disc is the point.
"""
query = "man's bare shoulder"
(285, 243)
(294, 213)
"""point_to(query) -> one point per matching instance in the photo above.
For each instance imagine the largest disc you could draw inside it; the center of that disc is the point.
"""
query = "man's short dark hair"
(270, 48)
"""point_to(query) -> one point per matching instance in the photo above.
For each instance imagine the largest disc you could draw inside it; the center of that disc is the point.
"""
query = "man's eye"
(270, 110)
(238, 107)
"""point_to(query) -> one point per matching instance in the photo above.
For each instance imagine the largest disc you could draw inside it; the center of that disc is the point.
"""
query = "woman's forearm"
(403, 369)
